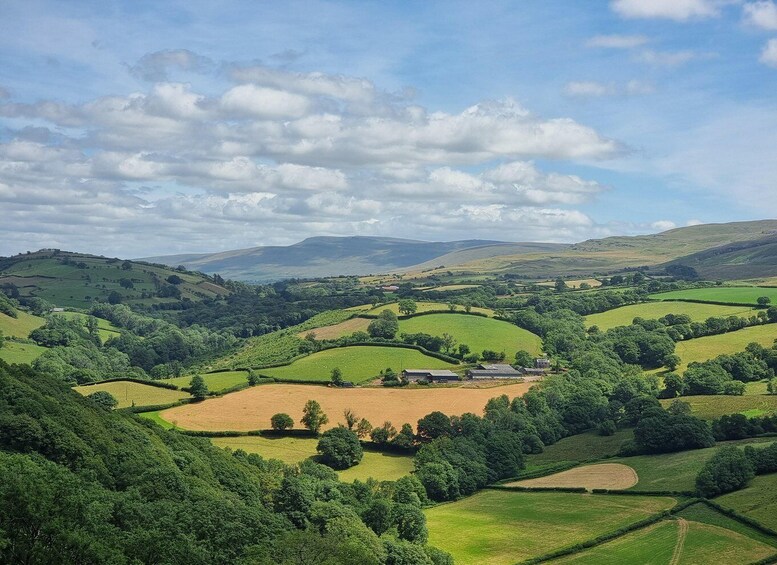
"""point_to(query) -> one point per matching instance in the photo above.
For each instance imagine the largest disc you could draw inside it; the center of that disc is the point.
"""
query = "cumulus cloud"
(678, 10)
(617, 41)
(769, 53)
(663, 225)
(761, 14)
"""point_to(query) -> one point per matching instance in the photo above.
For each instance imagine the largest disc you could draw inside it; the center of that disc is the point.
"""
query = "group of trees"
(725, 374)
(731, 468)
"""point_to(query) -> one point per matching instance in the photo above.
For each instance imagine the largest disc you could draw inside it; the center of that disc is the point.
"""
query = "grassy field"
(705, 348)
(734, 294)
(506, 527)
(675, 541)
(14, 352)
(339, 330)
(128, 392)
(581, 447)
(479, 333)
(427, 307)
(105, 329)
(379, 466)
(155, 417)
(709, 407)
(216, 381)
(21, 326)
(707, 515)
(614, 476)
(593, 283)
(451, 287)
(251, 409)
(358, 363)
(624, 315)
(758, 501)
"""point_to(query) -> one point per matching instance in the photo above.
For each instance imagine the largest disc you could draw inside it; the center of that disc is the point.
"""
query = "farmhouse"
(496, 371)
(431, 375)
(542, 363)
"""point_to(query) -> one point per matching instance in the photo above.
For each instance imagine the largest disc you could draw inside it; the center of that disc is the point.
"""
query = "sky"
(145, 128)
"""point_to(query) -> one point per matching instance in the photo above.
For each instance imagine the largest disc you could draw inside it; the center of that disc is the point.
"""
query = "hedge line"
(135, 380)
(424, 313)
(715, 302)
(155, 407)
(740, 517)
(643, 492)
(544, 472)
(538, 489)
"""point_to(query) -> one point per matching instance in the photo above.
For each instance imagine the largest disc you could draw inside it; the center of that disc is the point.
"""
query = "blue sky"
(202, 126)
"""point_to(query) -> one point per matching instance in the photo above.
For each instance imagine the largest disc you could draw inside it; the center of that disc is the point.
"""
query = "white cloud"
(693, 222)
(667, 58)
(663, 225)
(769, 53)
(761, 14)
(593, 89)
(617, 41)
(261, 102)
(678, 10)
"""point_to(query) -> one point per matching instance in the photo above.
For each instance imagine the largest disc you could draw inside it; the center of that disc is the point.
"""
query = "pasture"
(251, 409)
(21, 326)
(504, 527)
(130, 393)
(624, 315)
(758, 501)
(581, 447)
(709, 347)
(707, 515)
(709, 407)
(676, 542)
(358, 363)
(731, 294)
(613, 476)
(476, 332)
(105, 329)
(216, 382)
(14, 352)
(291, 450)
(428, 307)
(339, 330)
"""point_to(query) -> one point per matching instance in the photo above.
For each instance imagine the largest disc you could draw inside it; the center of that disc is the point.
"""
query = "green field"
(358, 363)
(154, 417)
(14, 352)
(216, 381)
(478, 333)
(427, 307)
(656, 544)
(708, 515)
(130, 393)
(709, 347)
(709, 407)
(501, 527)
(758, 501)
(624, 315)
(581, 447)
(105, 329)
(21, 326)
(733, 294)
(290, 450)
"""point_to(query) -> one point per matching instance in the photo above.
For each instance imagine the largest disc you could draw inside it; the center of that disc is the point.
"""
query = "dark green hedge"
(149, 382)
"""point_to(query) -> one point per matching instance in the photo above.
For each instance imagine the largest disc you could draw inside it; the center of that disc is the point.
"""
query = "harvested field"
(251, 409)
(129, 392)
(339, 330)
(614, 476)
(428, 307)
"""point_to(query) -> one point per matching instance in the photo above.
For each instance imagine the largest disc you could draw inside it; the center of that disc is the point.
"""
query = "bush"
(340, 448)
(728, 470)
(103, 399)
(281, 421)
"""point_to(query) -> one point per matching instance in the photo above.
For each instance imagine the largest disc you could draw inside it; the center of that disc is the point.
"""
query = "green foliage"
(103, 399)
(313, 416)
(385, 325)
(340, 448)
(407, 306)
(281, 421)
(728, 470)
(659, 431)
(198, 388)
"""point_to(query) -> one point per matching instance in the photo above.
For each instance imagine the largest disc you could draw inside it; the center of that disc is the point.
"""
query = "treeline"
(725, 374)
(732, 468)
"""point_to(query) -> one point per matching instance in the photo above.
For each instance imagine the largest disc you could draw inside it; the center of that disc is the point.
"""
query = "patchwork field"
(709, 407)
(128, 392)
(379, 466)
(21, 326)
(624, 315)
(708, 515)
(358, 363)
(13, 352)
(614, 476)
(705, 348)
(734, 294)
(339, 330)
(758, 501)
(580, 447)
(251, 409)
(427, 307)
(504, 527)
(478, 333)
(105, 329)
(216, 381)
(675, 542)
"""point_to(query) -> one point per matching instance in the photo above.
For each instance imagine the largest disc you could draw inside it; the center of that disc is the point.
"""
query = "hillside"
(75, 280)
(739, 260)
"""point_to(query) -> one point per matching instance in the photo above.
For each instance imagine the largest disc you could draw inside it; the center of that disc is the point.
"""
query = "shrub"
(340, 448)
(728, 470)
(281, 421)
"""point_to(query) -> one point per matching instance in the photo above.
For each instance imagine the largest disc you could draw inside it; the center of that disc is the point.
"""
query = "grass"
(105, 329)
(758, 501)
(478, 333)
(733, 294)
(216, 381)
(709, 407)
(496, 527)
(339, 330)
(581, 447)
(703, 543)
(130, 393)
(624, 315)
(155, 417)
(14, 352)
(707, 515)
(290, 450)
(613, 476)
(21, 326)
(358, 363)
(427, 307)
(448, 287)
(709, 347)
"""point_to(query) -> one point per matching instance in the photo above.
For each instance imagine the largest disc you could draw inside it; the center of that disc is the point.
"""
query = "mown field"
(504, 527)
(339, 330)
(709, 407)
(251, 409)
(708, 515)
(14, 352)
(427, 307)
(128, 392)
(357, 363)
(709, 347)
(733, 294)
(21, 326)
(105, 329)
(379, 466)
(478, 333)
(758, 501)
(624, 315)
(677, 542)
(613, 476)
(582, 447)
(216, 382)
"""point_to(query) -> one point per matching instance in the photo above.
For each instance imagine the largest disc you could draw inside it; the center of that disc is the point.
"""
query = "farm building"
(542, 363)
(496, 371)
(431, 375)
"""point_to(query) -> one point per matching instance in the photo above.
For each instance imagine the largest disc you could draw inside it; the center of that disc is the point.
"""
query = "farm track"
(682, 533)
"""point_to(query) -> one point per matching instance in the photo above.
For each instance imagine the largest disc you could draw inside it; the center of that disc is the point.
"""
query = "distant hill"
(75, 279)
(333, 256)
(739, 260)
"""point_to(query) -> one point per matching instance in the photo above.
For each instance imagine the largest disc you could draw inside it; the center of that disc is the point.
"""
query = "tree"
(448, 342)
(114, 297)
(411, 523)
(340, 448)
(350, 418)
(198, 388)
(524, 359)
(560, 285)
(103, 399)
(771, 386)
(337, 376)
(174, 279)
(363, 428)
(671, 361)
(451, 307)
(764, 300)
(434, 425)
(281, 421)
(126, 283)
(126, 266)
(384, 326)
(405, 438)
(673, 386)
(379, 515)
(728, 470)
(313, 416)
(383, 434)
(407, 306)
(253, 378)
